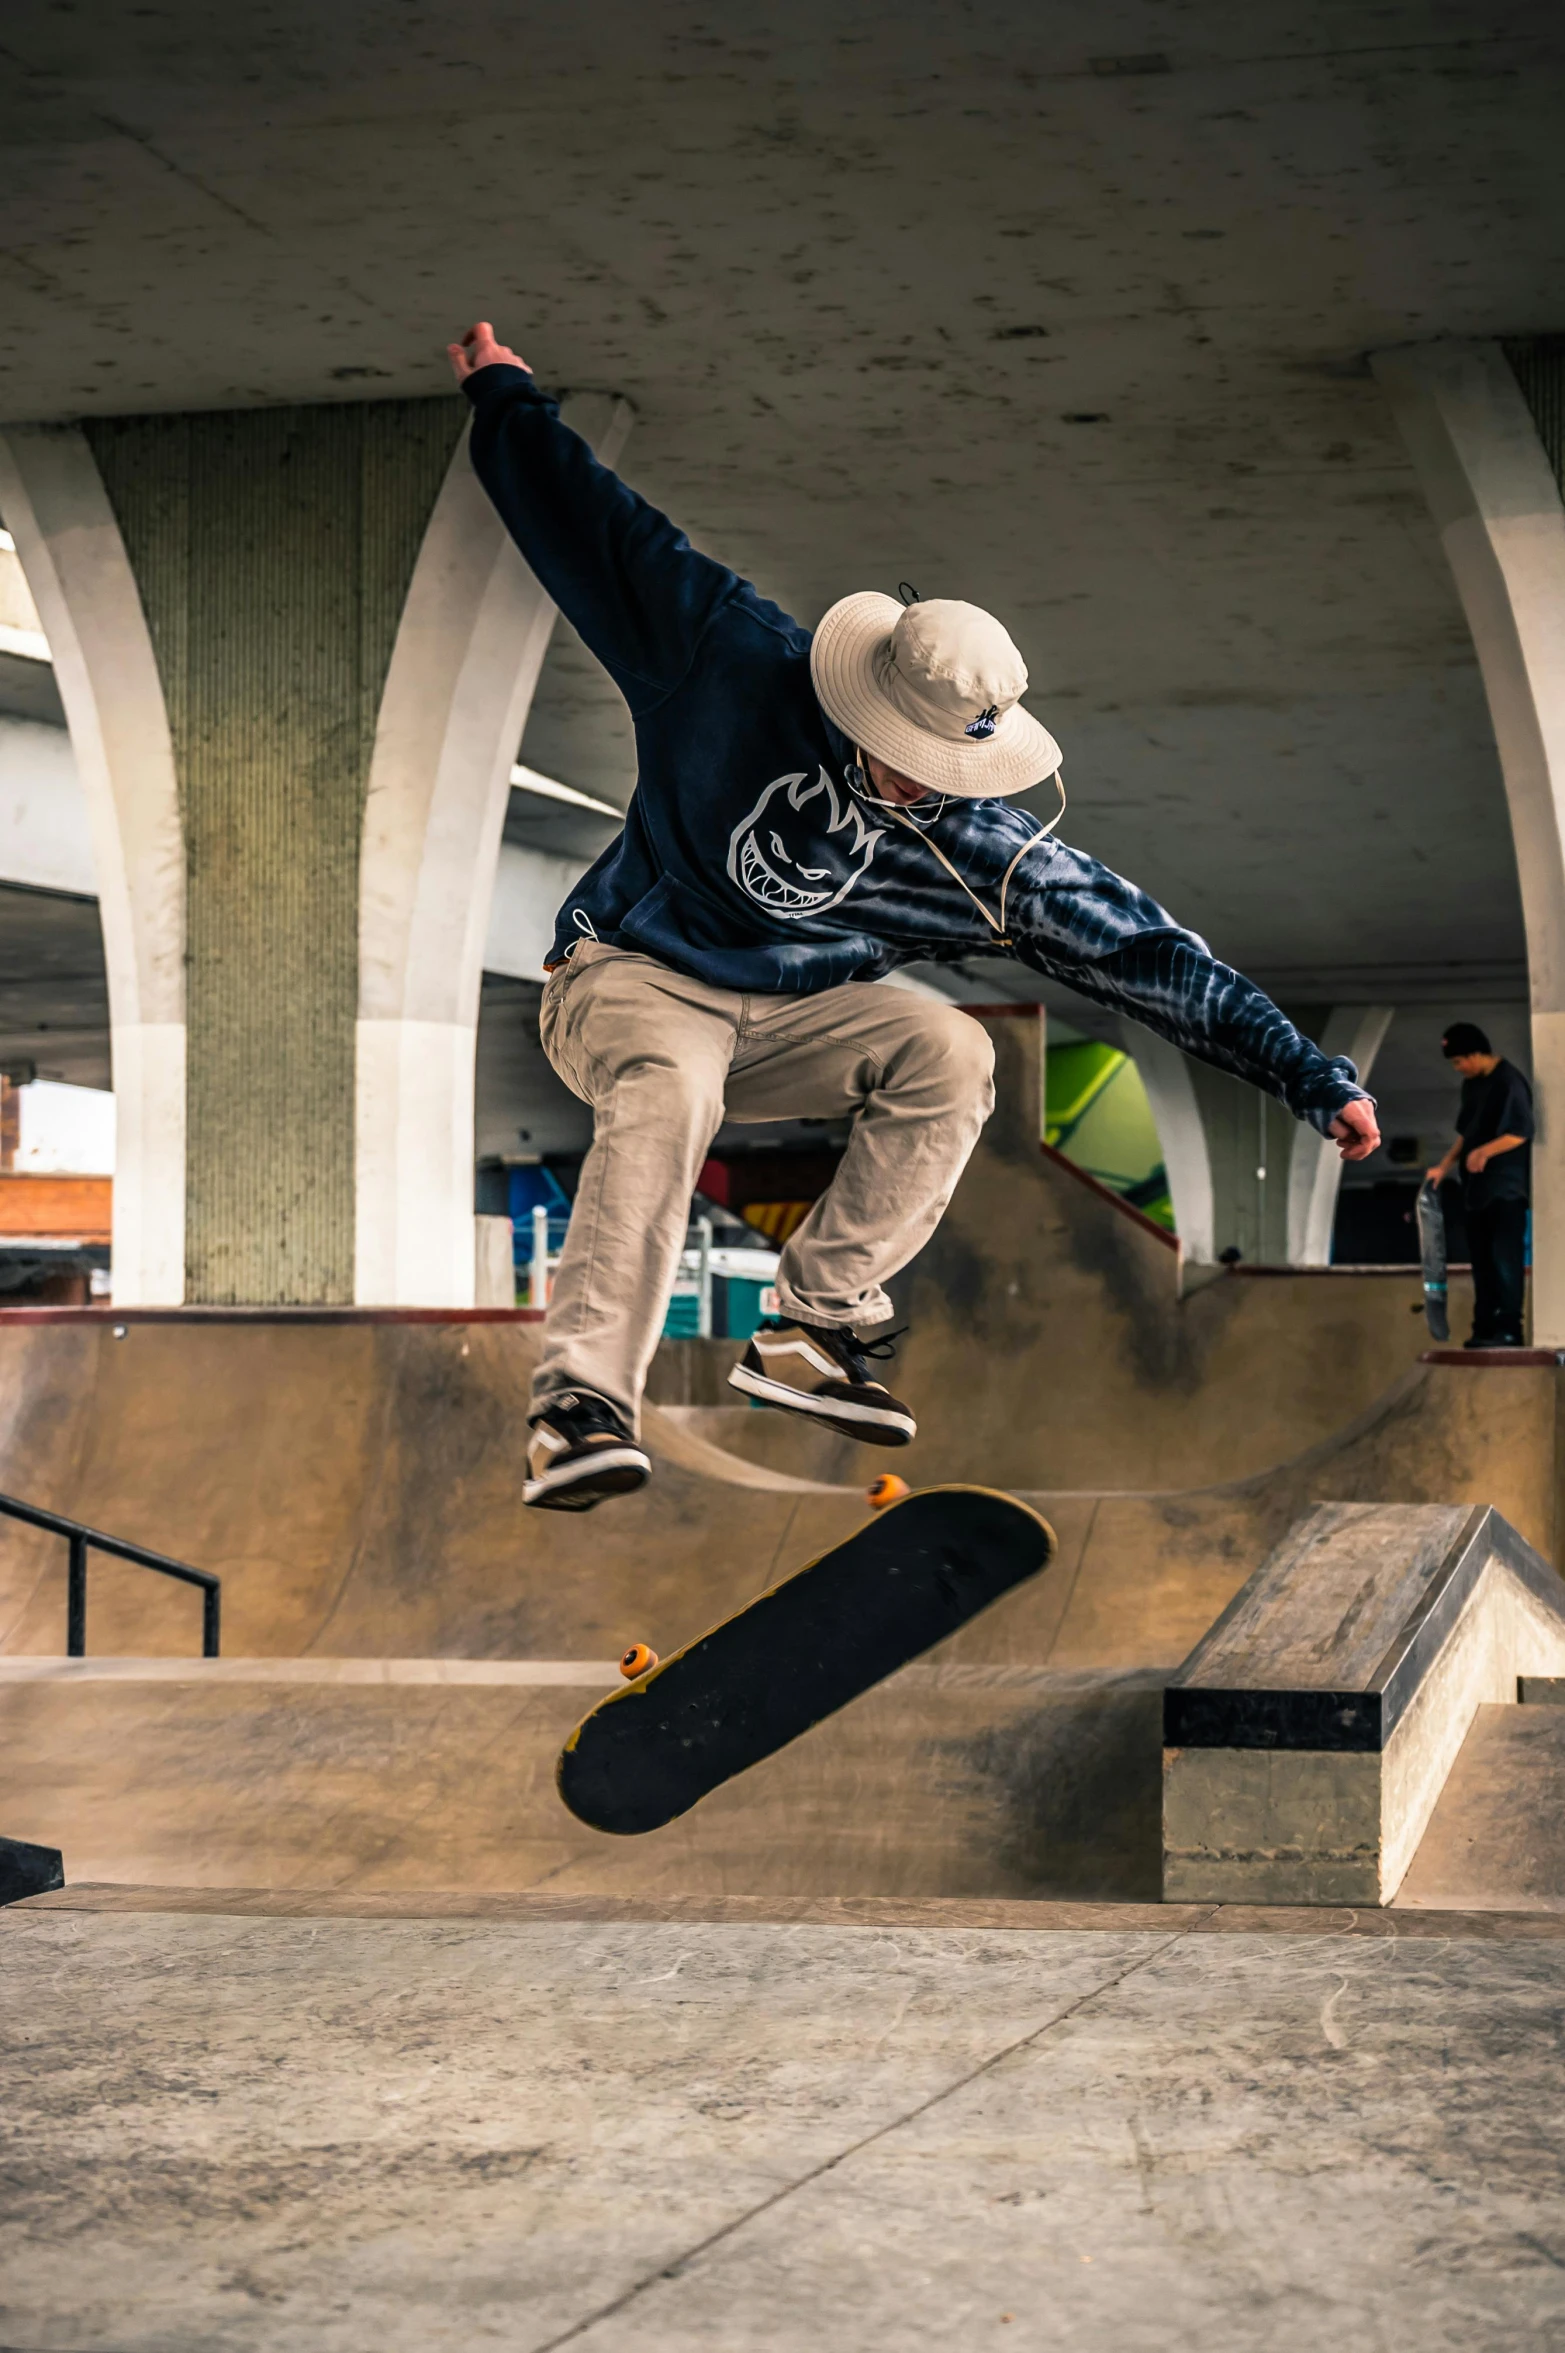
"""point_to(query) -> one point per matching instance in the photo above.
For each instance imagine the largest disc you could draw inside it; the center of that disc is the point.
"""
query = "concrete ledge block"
(1308, 1737)
(1248, 1826)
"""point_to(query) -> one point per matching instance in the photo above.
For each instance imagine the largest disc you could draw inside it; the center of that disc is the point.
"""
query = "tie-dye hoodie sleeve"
(1080, 923)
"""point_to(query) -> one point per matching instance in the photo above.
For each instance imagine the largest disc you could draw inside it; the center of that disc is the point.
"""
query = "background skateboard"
(1431, 1250)
(797, 1653)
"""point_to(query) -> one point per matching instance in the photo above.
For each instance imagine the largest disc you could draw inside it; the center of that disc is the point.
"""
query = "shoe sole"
(578, 1486)
(873, 1425)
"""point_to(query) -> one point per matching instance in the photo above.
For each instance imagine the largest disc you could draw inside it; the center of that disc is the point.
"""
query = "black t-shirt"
(1497, 1104)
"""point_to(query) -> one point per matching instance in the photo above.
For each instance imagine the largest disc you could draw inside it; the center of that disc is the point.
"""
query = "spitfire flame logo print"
(801, 849)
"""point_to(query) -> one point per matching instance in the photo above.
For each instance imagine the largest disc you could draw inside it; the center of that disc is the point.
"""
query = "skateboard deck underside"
(1431, 1250)
(797, 1653)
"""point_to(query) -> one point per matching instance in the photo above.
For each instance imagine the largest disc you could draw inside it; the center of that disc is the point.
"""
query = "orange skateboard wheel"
(637, 1661)
(888, 1488)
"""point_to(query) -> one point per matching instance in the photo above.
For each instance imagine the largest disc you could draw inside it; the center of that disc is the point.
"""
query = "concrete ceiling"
(1061, 310)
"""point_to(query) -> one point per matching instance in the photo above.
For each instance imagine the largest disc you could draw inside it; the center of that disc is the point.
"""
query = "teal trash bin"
(736, 1305)
(683, 1319)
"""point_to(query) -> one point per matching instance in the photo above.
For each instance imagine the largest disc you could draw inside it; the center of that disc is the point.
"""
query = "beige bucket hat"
(934, 689)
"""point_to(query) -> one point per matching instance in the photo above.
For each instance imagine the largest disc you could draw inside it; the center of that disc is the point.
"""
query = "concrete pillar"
(296, 653)
(273, 550)
(473, 635)
(1488, 453)
(58, 510)
(1243, 1173)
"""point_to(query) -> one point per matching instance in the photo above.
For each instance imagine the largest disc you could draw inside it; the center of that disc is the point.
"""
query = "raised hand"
(1355, 1130)
(478, 349)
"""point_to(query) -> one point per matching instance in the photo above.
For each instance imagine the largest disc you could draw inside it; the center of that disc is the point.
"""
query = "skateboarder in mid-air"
(810, 813)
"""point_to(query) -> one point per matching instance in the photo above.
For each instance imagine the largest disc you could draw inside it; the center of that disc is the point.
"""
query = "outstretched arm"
(1086, 926)
(622, 574)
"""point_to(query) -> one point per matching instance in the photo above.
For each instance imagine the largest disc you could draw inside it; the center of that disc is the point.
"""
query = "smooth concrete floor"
(357, 2135)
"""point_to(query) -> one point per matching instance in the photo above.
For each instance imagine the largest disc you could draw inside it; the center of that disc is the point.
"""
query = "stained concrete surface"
(225, 2131)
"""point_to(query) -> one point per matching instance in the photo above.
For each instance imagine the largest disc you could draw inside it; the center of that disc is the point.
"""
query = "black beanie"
(1464, 1037)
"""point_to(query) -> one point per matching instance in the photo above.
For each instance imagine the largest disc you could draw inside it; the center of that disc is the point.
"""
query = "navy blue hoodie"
(752, 857)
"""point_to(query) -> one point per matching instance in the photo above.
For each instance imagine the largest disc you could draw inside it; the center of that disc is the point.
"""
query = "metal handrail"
(82, 1540)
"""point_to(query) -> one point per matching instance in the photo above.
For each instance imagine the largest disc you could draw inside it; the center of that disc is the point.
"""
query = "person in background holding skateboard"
(810, 813)
(1494, 1131)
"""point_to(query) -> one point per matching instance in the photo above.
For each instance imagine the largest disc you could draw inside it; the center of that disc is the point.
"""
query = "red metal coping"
(1480, 1360)
(271, 1315)
(1401, 1266)
(1107, 1193)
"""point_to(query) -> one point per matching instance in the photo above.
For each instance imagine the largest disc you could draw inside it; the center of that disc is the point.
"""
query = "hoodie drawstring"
(997, 926)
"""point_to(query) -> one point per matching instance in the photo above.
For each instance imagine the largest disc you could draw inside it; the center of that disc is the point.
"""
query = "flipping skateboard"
(913, 1574)
(1431, 1249)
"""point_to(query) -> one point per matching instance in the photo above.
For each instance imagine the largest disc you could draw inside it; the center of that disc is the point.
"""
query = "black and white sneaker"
(580, 1452)
(820, 1369)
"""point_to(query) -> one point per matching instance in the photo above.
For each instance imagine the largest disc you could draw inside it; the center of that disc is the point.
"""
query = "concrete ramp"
(1308, 1738)
(357, 1486)
(416, 1775)
(1055, 1341)
(1144, 1572)
(356, 1483)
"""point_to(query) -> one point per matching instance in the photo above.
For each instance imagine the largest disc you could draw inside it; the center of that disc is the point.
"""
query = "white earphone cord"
(1042, 834)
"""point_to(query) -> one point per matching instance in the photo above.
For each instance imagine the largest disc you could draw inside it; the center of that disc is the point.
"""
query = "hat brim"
(843, 653)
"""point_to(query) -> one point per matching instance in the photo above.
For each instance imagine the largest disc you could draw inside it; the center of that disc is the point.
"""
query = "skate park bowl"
(1055, 1339)
(405, 1647)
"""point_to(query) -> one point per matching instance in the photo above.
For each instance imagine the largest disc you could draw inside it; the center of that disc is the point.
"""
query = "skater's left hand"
(1355, 1131)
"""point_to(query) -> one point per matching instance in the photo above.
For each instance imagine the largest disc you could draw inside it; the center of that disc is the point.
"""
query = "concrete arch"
(58, 512)
(1497, 506)
(1165, 1074)
(1204, 1206)
(464, 667)
(1315, 1165)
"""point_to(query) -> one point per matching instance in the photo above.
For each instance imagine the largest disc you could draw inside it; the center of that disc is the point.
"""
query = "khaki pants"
(662, 1060)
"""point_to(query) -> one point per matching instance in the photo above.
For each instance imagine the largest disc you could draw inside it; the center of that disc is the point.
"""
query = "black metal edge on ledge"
(1492, 1360)
(28, 1870)
(1343, 1722)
